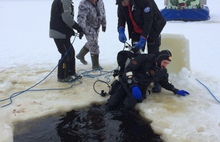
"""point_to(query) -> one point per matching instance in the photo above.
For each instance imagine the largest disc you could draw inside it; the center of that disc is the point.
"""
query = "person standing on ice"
(136, 73)
(145, 24)
(61, 30)
(91, 15)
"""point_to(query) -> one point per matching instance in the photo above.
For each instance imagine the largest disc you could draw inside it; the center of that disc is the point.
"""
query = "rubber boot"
(95, 62)
(81, 55)
(156, 88)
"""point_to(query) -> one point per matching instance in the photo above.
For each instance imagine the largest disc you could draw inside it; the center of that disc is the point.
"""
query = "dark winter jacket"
(141, 67)
(61, 20)
(146, 15)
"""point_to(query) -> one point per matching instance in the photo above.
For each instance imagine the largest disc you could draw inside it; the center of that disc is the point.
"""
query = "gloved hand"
(182, 92)
(81, 35)
(79, 30)
(73, 33)
(136, 92)
(103, 28)
(77, 27)
(140, 43)
(122, 37)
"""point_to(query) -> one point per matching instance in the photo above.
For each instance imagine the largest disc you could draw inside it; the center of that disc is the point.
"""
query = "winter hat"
(163, 55)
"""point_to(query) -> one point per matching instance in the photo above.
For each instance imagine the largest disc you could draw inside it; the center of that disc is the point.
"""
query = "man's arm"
(67, 14)
(121, 18)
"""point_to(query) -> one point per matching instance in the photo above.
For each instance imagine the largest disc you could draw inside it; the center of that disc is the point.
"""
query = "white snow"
(27, 55)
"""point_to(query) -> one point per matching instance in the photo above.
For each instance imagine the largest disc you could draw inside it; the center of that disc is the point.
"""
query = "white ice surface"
(27, 55)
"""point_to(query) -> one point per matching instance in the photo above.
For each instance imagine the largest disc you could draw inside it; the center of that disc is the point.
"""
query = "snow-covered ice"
(28, 55)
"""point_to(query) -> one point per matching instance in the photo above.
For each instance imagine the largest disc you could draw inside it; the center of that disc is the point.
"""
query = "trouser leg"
(92, 45)
(115, 100)
(72, 62)
(62, 70)
(67, 62)
(153, 45)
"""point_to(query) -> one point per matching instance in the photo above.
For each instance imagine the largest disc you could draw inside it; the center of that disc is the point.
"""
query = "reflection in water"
(93, 124)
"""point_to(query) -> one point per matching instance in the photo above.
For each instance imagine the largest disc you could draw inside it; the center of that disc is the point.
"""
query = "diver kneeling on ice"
(136, 73)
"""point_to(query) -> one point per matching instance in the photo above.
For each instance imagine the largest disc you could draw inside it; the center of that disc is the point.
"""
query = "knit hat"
(163, 55)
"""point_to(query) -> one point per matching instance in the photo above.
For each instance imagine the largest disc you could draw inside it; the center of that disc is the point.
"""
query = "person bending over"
(136, 76)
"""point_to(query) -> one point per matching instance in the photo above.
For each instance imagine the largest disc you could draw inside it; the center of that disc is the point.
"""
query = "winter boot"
(156, 88)
(95, 62)
(69, 79)
(81, 55)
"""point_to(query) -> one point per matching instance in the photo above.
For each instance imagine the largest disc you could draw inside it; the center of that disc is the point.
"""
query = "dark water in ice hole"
(92, 124)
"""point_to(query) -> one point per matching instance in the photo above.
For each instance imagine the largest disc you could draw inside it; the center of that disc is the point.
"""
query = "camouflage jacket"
(91, 16)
